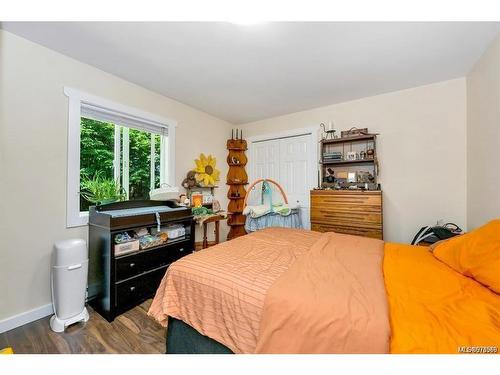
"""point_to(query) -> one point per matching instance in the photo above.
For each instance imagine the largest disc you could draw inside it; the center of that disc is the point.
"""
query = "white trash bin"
(69, 283)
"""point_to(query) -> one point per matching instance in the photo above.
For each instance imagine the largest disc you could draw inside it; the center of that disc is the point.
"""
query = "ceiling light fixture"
(245, 22)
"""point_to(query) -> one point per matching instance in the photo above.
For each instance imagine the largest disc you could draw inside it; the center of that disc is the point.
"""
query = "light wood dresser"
(346, 211)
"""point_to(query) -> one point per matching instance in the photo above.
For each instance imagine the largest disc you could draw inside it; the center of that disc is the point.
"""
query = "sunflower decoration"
(206, 174)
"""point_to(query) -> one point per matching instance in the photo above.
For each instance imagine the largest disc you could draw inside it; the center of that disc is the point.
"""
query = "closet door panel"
(265, 163)
(296, 167)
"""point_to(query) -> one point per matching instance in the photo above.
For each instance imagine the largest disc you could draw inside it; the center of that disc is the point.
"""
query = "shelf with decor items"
(237, 178)
(353, 138)
(202, 189)
(343, 162)
(348, 199)
(349, 162)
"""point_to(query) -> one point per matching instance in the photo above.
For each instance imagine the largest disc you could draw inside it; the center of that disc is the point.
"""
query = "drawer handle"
(132, 265)
(132, 288)
(181, 249)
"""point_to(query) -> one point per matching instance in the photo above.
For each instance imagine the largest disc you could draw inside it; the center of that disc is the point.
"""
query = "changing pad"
(141, 211)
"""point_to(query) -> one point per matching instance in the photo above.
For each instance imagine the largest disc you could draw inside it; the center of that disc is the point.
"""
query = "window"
(129, 158)
(114, 151)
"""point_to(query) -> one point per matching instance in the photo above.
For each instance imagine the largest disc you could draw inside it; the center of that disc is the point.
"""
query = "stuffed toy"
(190, 180)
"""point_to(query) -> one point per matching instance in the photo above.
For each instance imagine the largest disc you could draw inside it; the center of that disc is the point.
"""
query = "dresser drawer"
(177, 251)
(146, 260)
(364, 202)
(128, 267)
(133, 291)
(356, 231)
(325, 214)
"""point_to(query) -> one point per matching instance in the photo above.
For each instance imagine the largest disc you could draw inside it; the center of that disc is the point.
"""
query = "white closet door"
(296, 166)
(264, 163)
(289, 161)
(266, 160)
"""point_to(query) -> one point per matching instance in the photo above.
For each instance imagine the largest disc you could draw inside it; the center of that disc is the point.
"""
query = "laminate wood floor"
(131, 332)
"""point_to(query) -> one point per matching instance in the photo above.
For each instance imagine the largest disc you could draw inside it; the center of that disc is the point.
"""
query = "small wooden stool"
(216, 220)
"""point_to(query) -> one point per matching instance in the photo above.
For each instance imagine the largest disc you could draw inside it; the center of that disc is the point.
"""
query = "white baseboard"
(25, 317)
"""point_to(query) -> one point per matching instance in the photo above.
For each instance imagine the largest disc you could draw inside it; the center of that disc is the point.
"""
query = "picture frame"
(196, 199)
(351, 177)
(350, 155)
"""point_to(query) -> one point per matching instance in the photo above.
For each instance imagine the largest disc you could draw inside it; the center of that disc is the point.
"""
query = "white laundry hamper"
(69, 283)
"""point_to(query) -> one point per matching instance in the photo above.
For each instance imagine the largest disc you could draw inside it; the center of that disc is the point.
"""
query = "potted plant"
(99, 190)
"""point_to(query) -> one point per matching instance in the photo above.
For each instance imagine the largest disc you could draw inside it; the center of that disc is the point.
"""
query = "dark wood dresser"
(347, 211)
(119, 282)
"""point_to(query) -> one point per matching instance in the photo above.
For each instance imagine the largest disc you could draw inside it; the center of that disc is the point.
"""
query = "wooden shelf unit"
(237, 178)
(341, 162)
(367, 137)
(357, 144)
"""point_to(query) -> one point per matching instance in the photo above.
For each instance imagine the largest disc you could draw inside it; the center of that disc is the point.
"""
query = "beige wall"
(33, 157)
(421, 149)
(483, 138)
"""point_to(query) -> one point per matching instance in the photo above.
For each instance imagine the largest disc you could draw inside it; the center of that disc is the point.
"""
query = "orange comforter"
(331, 300)
(434, 309)
(220, 291)
(233, 291)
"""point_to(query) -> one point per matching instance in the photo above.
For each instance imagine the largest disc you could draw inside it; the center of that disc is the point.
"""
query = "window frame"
(75, 218)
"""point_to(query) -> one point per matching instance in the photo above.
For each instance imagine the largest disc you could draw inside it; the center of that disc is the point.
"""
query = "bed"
(295, 291)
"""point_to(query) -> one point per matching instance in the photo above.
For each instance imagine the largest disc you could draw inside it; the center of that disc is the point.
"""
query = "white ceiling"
(243, 73)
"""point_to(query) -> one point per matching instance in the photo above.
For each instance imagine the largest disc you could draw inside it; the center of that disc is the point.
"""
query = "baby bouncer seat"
(266, 205)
